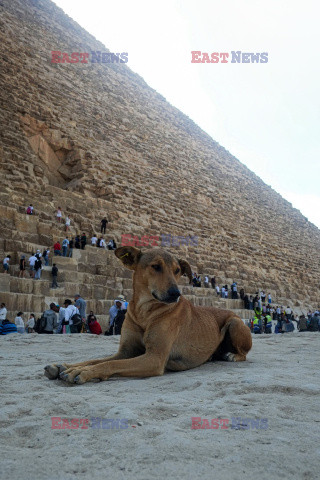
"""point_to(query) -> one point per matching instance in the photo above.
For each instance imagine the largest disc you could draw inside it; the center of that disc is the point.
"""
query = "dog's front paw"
(52, 371)
(229, 357)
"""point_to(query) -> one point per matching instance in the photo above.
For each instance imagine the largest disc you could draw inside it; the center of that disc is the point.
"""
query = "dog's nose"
(173, 294)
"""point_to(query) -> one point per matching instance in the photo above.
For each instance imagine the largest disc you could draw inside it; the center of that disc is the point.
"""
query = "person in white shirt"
(67, 223)
(94, 240)
(19, 323)
(218, 289)
(31, 323)
(102, 243)
(32, 261)
(206, 281)
(3, 312)
(70, 310)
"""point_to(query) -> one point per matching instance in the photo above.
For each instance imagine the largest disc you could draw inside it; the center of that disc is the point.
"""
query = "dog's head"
(156, 271)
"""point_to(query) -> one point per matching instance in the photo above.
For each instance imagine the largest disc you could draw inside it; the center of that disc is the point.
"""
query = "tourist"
(77, 241)
(263, 297)
(38, 268)
(246, 303)
(81, 305)
(6, 263)
(70, 312)
(45, 256)
(30, 209)
(61, 327)
(32, 261)
(19, 323)
(268, 324)
(111, 245)
(257, 326)
(94, 326)
(68, 221)
(213, 282)
(251, 302)
(288, 312)
(102, 243)
(218, 290)
(31, 323)
(57, 248)
(113, 311)
(59, 214)
(65, 244)
(269, 298)
(51, 320)
(94, 240)
(54, 273)
(71, 246)
(3, 312)
(124, 302)
(104, 222)
(22, 266)
(83, 241)
(206, 281)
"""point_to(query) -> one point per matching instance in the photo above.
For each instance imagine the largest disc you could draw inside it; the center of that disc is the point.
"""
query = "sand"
(279, 382)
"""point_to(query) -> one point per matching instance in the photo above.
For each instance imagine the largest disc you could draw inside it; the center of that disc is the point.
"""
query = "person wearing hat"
(22, 266)
(124, 302)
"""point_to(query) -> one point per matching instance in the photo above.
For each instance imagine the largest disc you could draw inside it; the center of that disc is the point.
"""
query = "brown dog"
(162, 330)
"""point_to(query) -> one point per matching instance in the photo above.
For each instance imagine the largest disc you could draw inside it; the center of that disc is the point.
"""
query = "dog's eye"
(157, 268)
(177, 271)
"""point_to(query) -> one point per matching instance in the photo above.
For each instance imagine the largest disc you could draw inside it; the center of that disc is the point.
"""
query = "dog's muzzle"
(172, 296)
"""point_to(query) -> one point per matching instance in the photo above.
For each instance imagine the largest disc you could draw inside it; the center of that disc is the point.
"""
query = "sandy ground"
(280, 382)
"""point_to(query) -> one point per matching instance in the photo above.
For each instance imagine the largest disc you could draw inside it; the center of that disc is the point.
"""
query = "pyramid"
(96, 140)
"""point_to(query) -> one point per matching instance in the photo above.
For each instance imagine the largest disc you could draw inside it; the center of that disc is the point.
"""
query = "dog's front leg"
(147, 365)
(130, 346)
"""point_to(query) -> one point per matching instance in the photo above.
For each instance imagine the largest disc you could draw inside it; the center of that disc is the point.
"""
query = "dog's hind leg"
(238, 341)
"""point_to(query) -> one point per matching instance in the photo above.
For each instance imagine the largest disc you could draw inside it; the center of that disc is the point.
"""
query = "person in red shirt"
(57, 248)
(94, 325)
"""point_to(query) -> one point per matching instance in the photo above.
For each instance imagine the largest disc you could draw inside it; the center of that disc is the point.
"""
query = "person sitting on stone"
(3, 312)
(314, 323)
(30, 209)
(19, 323)
(94, 240)
(111, 245)
(102, 243)
(94, 325)
(31, 323)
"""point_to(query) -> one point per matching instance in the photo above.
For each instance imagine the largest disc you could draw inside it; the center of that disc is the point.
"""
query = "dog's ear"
(129, 256)
(185, 269)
